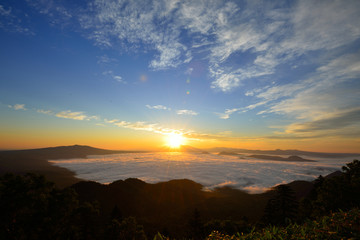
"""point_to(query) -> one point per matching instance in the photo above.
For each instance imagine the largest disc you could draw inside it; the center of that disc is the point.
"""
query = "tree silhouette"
(341, 192)
(127, 229)
(352, 177)
(352, 170)
(282, 208)
(334, 193)
(196, 226)
(116, 214)
(32, 208)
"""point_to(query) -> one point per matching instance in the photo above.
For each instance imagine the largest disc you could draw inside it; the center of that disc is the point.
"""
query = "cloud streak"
(271, 33)
(186, 112)
(11, 22)
(114, 76)
(71, 115)
(338, 120)
(18, 107)
(158, 107)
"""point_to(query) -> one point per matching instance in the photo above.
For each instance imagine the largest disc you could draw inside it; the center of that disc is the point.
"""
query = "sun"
(175, 140)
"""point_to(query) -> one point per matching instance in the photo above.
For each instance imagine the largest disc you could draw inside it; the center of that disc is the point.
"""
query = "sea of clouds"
(211, 170)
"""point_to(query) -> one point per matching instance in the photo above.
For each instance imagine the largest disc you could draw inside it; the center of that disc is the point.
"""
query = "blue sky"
(258, 74)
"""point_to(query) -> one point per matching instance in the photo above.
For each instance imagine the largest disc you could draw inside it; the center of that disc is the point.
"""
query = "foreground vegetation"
(339, 225)
(33, 208)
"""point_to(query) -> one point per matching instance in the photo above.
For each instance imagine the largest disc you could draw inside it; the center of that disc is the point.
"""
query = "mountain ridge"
(230, 151)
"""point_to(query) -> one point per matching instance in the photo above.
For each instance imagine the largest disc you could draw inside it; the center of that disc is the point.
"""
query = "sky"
(125, 74)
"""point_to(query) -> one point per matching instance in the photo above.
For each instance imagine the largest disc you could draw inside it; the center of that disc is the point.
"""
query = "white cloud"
(211, 170)
(111, 121)
(72, 115)
(223, 115)
(327, 91)
(226, 79)
(325, 104)
(57, 13)
(11, 22)
(169, 56)
(4, 12)
(186, 112)
(113, 76)
(18, 106)
(336, 120)
(249, 93)
(118, 79)
(137, 25)
(323, 25)
(237, 38)
(107, 72)
(175, 32)
(312, 26)
(252, 92)
(48, 112)
(105, 59)
(189, 71)
(228, 112)
(158, 107)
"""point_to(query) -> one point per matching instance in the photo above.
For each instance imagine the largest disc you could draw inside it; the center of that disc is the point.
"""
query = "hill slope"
(35, 161)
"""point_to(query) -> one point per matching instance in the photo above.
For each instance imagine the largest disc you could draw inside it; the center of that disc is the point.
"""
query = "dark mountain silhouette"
(277, 158)
(61, 152)
(230, 153)
(169, 205)
(35, 161)
(283, 152)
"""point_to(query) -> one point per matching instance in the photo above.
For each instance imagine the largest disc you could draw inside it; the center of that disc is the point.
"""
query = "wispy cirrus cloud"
(144, 26)
(111, 121)
(48, 112)
(285, 37)
(325, 104)
(114, 76)
(272, 34)
(326, 91)
(18, 106)
(9, 21)
(144, 126)
(137, 125)
(186, 112)
(228, 112)
(337, 120)
(105, 59)
(157, 128)
(74, 115)
(158, 107)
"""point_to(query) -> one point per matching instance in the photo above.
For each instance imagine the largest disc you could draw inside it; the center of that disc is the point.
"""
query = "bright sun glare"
(175, 140)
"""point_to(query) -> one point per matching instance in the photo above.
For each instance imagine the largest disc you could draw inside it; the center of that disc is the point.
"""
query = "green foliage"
(339, 225)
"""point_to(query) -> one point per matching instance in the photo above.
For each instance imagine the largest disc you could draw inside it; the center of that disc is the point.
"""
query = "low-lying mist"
(211, 170)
